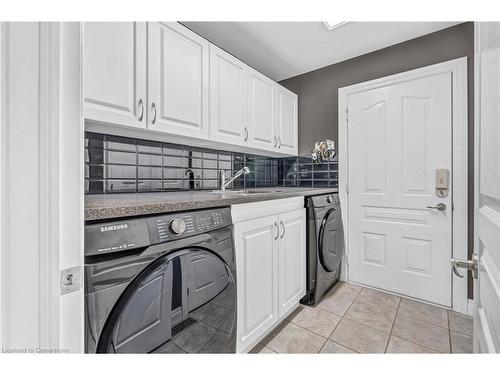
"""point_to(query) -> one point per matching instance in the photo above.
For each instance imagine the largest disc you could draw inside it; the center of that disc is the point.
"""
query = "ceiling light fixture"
(330, 25)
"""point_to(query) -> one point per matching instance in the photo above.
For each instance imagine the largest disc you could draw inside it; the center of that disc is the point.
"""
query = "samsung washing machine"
(161, 284)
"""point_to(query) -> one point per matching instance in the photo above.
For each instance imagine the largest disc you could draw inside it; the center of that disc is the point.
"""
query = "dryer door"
(182, 302)
(331, 241)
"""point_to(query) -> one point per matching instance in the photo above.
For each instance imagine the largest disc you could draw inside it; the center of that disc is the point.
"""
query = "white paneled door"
(400, 226)
(487, 285)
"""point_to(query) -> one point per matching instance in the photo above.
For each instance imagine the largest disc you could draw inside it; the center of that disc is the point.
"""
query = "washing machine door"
(331, 241)
(183, 302)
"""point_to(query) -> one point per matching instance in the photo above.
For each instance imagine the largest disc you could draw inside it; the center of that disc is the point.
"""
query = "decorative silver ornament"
(324, 150)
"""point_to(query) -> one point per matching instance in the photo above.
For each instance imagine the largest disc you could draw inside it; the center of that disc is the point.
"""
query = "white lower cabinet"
(257, 279)
(270, 266)
(291, 260)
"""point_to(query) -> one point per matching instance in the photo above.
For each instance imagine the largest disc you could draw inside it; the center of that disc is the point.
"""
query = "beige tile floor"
(352, 319)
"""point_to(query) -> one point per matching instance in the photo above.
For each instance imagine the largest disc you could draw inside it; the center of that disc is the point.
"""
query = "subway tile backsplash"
(127, 165)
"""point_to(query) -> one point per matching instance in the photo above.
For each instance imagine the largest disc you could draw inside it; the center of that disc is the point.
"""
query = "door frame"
(57, 212)
(458, 69)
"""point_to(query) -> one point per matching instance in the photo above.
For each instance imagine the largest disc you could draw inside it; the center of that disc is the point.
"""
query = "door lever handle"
(470, 265)
(439, 207)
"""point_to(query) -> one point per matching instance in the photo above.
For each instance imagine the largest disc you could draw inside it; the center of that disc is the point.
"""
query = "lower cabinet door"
(256, 243)
(292, 259)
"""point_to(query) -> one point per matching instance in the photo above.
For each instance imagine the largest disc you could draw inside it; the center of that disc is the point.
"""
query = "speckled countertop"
(107, 206)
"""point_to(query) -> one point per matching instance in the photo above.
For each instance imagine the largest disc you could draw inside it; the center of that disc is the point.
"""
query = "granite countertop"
(107, 206)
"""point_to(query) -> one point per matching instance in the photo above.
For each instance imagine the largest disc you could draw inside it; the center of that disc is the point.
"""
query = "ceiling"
(282, 50)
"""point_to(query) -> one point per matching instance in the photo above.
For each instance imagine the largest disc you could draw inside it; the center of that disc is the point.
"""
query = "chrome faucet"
(224, 183)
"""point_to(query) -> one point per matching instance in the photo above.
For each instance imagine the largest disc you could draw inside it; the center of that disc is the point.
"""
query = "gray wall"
(317, 90)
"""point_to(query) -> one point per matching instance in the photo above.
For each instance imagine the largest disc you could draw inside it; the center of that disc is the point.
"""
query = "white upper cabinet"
(228, 98)
(163, 77)
(287, 121)
(114, 72)
(178, 80)
(261, 111)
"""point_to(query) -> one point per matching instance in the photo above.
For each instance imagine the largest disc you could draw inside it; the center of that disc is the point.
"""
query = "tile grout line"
(323, 337)
(419, 344)
(357, 322)
(314, 333)
(425, 321)
(342, 318)
(392, 327)
(391, 332)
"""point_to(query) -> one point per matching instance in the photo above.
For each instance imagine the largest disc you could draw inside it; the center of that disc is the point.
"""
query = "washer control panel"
(184, 224)
(177, 226)
(170, 227)
(133, 233)
(115, 236)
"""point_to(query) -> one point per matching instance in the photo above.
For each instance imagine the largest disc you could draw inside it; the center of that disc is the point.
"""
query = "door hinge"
(347, 115)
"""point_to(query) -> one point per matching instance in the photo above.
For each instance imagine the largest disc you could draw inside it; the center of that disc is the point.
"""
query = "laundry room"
(250, 184)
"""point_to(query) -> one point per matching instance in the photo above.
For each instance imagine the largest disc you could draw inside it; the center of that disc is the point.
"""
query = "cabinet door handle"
(277, 230)
(140, 106)
(246, 134)
(153, 108)
(279, 141)
(282, 226)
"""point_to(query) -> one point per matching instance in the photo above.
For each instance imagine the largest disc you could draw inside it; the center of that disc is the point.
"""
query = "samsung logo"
(109, 228)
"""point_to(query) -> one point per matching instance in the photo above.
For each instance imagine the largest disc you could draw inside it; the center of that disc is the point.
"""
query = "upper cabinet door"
(228, 98)
(261, 111)
(287, 123)
(114, 72)
(178, 80)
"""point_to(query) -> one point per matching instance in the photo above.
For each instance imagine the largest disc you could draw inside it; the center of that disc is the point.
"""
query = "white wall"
(41, 212)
